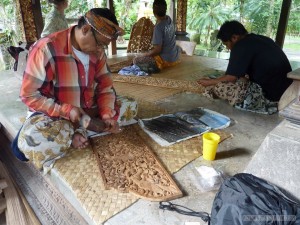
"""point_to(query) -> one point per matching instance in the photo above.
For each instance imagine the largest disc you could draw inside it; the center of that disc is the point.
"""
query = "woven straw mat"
(142, 92)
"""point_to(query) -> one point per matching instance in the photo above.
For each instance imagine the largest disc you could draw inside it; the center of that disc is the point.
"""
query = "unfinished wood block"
(127, 164)
(15, 213)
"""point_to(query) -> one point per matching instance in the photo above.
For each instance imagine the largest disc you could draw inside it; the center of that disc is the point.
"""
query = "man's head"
(58, 2)
(230, 32)
(159, 8)
(98, 27)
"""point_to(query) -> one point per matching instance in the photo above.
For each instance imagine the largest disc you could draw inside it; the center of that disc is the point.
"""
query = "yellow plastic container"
(210, 145)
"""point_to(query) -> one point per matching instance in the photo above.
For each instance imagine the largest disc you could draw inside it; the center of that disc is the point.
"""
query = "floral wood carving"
(127, 164)
(184, 85)
(141, 36)
(28, 20)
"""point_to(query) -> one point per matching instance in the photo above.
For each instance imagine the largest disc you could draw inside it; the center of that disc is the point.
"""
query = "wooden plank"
(15, 212)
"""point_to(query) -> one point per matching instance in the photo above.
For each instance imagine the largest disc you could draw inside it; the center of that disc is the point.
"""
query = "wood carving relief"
(184, 85)
(127, 164)
(20, 21)
(141, 36)
(181, 15)
(28, 20)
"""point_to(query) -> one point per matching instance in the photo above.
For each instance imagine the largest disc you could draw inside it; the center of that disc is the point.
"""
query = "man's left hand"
(207, 82)
(112, 126)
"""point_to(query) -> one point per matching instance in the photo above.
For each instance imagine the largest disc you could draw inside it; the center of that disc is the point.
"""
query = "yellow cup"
(210, 145)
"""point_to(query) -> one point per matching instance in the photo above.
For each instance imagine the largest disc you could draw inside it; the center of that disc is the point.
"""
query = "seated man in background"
(165, 52)
(256, 76)
(66, 79)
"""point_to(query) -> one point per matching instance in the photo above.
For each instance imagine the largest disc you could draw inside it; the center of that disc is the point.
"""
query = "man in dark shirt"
(257, 69)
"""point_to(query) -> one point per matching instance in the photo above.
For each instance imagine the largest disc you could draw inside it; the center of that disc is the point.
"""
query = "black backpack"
(245, 199)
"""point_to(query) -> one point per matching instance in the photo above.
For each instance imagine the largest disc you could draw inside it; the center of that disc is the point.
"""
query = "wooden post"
(112, 48)
(181, 20)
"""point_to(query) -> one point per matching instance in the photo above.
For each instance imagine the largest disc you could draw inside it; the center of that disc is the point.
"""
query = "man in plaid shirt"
(66, 78)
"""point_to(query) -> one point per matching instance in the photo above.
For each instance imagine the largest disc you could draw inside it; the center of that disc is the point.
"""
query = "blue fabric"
(14, 145)
(132, 70)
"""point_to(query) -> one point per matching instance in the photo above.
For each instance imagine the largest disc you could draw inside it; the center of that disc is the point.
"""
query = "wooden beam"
(112, 48)
(283, 22)
(38, 18)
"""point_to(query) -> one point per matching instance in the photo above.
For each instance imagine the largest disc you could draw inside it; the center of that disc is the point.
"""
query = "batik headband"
(102, 25)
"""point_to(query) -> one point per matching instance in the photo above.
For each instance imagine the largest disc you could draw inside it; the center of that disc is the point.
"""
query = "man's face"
(228, 44)
(233, 40)
(93, 42)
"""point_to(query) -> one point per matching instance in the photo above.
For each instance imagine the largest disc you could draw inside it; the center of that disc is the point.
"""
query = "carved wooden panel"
(116, 67)
(181, 15)
(127, 164)
(141, 36)
(28, 20)
(184, 85)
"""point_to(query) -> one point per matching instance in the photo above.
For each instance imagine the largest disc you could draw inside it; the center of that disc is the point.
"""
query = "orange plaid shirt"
(54, 80)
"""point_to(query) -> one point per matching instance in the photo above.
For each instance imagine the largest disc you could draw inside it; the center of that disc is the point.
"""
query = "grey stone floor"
(248, 130)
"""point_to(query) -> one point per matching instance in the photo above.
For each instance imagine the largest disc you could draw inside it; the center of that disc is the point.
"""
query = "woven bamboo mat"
(142, 92)
(181, 77)
(176, 156)
(117, 66)
(190, 68)
(182, 85)
(80, 172)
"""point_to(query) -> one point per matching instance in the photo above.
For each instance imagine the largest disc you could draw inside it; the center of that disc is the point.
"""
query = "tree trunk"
(270, 18)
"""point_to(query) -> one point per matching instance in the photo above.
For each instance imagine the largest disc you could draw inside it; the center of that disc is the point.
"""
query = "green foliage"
(75, 9)
(195, 38)
(259, 13)
(8, 19)
(126, 36)
(126, 18)
(294, 18)
(259, 17)
(7, 37)
(209, 18)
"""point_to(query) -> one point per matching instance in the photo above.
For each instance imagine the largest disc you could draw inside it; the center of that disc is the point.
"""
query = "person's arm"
(209, 82)
(154, 51)
(105, 95)
(36, 80)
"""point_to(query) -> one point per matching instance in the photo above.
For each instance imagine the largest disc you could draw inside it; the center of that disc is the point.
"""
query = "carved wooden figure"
(127, 164)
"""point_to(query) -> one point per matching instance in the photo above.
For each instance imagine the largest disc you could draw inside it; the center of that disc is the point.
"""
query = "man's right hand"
(79, 141)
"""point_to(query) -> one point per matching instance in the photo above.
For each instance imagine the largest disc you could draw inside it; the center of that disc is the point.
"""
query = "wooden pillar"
(30, 20)
(172, 12)
(181, 20)
(283, 22)
(112, 48)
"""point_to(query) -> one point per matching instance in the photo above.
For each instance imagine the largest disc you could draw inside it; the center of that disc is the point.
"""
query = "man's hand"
(207, 82)
(112, 126)
(79, 141)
